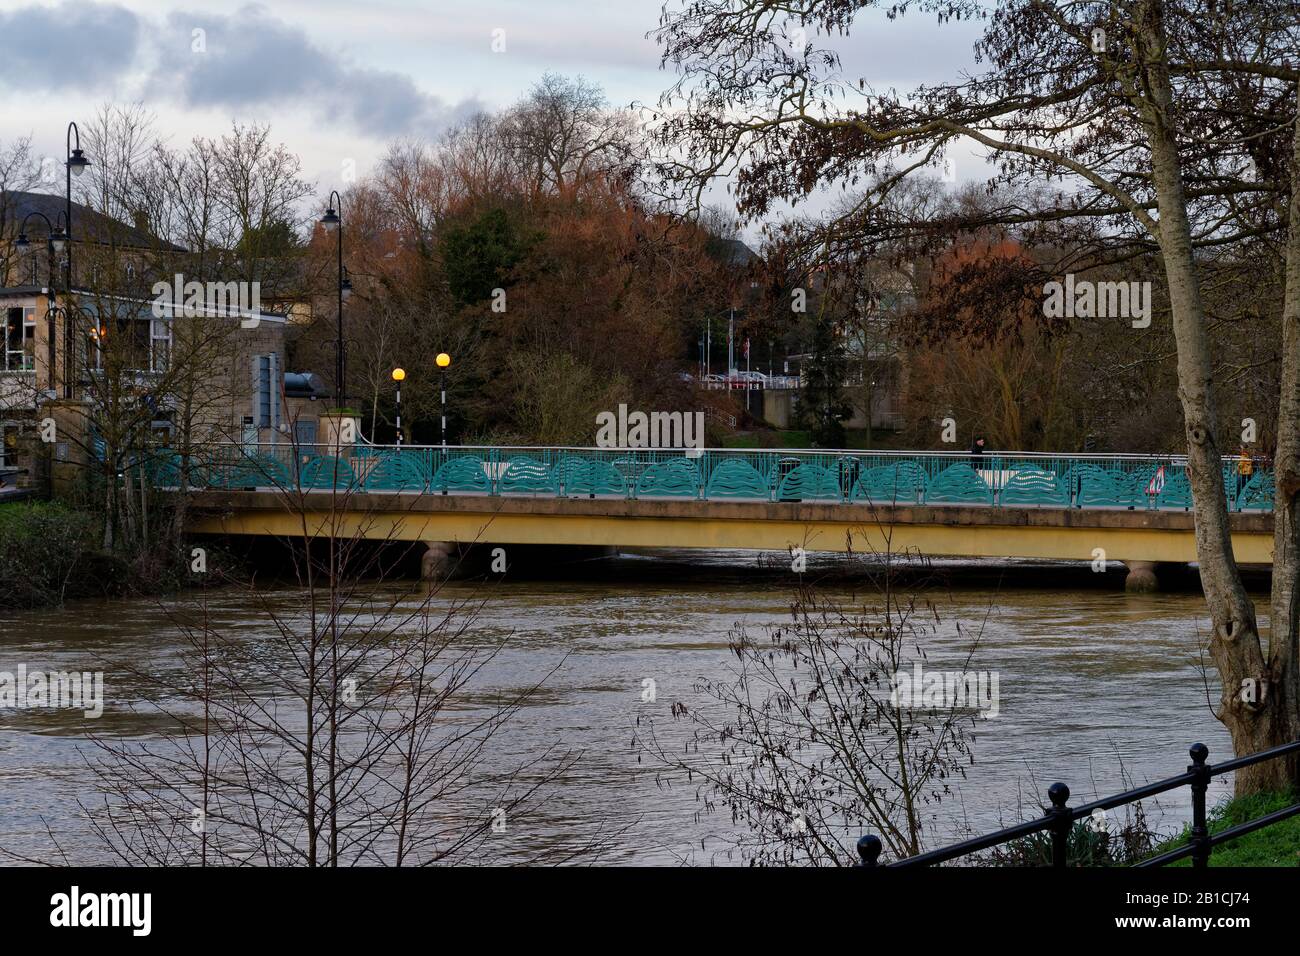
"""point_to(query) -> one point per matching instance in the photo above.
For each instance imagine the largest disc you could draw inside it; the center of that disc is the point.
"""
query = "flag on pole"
(1157, 483)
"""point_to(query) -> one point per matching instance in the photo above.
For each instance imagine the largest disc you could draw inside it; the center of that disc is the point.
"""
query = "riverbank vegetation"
(51, 552)
(1126, 836)
(1276, 845)
(47, 554)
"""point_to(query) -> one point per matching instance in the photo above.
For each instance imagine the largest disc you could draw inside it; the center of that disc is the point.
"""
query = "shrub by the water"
(41, 546)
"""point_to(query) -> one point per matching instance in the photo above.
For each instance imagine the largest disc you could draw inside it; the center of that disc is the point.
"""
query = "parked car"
(747, 380)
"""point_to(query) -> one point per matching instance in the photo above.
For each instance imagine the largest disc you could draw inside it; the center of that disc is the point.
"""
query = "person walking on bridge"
(1245, 469)
(977, 451)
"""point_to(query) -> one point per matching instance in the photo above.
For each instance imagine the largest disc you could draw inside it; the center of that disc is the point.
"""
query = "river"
(1098, 688)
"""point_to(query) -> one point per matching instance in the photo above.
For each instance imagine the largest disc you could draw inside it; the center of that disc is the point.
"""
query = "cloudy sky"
(338, 79)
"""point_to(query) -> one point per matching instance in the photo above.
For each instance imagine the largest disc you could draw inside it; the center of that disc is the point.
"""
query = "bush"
(41, 545)
(1114, 842)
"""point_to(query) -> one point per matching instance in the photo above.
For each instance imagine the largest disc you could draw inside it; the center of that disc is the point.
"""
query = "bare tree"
(355, 735)
(810, 742)
(563, 135)
(1168, 127)
(18, 173)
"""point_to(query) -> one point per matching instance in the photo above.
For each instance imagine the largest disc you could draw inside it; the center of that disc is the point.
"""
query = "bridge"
(1129, 508)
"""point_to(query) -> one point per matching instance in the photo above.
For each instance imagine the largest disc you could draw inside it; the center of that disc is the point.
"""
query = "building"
(200, 358)
(866, 302)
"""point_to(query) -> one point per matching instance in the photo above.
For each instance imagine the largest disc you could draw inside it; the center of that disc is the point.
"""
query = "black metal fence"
(1060, 818)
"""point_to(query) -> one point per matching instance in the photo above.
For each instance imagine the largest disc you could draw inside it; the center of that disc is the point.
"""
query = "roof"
(89, 303)
(87, 224)
(731, 251)
(25, 291)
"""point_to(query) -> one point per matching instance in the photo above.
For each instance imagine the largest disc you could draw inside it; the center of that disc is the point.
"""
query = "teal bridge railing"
(1003, 480)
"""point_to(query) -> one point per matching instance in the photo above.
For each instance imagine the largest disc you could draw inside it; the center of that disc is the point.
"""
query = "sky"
(340, 79)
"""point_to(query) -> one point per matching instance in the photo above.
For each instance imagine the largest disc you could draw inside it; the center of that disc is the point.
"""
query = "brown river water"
(1098, 688)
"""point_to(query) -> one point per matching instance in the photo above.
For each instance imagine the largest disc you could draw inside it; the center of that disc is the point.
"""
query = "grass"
(1277, 845)
(21, 517)
(776, 439)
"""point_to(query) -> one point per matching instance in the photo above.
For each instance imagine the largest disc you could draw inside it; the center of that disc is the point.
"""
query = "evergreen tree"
(822, 405)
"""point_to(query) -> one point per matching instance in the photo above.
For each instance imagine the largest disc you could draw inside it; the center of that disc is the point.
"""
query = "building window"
(148, 343)
(94, 352)
(160, 350)
(161, 427)
(264, 391)
(20, 339)
(9, 435)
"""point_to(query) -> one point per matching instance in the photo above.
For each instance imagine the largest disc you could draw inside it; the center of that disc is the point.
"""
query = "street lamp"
(56, 239)
(443, 361)
(51, 333)
(76, 165)
(333, 222)
(55, 243)
(399, 376)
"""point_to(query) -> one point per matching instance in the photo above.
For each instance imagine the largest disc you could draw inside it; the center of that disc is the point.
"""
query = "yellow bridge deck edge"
(956, 531)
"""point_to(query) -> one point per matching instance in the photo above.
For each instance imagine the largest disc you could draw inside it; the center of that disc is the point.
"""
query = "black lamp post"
(56, 240)
(333, 222)
(52, 315)
(76, 165)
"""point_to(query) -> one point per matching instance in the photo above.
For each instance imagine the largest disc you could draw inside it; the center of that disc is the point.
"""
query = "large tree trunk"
(1253, 706)
(1284, 615)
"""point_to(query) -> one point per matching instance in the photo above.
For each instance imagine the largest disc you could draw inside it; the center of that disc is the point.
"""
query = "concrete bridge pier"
(440, 560)
(1142, 577)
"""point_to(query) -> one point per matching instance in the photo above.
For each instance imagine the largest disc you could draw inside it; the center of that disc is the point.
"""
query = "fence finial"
(1061, 822)
(1058, 793)
(869, 849)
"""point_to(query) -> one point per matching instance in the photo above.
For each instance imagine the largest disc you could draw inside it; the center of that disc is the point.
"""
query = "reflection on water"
(1094, 683)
